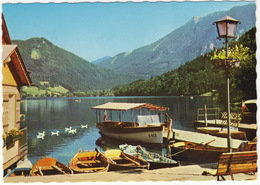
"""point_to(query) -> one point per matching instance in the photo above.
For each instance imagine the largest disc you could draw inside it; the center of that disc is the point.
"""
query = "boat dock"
(249, 129)
(195, 137)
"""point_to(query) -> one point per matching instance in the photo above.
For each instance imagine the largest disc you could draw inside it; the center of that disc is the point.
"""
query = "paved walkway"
(182, 173)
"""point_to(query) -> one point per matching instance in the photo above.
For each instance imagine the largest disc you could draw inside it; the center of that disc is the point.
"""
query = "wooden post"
(205, 115)
(169, 130)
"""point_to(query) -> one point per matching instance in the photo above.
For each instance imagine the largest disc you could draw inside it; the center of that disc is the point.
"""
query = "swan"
(55, 133)
(73, 131)
(84, 126)
(68, 129)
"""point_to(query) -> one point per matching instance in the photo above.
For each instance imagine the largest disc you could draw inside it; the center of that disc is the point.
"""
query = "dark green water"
(54, 114)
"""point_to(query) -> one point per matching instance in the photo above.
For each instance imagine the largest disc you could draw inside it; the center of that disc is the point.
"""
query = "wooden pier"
(195, 137)
(249, 129)
(211, 117)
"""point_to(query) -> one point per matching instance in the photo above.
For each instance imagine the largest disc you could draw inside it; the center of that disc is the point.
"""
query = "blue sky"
(94, 30)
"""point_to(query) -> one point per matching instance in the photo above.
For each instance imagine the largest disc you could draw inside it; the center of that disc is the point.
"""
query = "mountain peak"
(194, 38)
(196, 19)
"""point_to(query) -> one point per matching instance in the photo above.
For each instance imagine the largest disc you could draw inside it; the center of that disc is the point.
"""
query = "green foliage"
(237, 52)
(200, 76)
(59, 67)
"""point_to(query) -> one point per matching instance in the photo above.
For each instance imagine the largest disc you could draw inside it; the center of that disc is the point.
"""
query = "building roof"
(11, 57)
(128, 106)
(7, 51)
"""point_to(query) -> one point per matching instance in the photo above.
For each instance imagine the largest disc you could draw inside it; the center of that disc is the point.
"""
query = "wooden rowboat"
(49, 166)
(203, 153)
(89, 161)
(220, 132)
(196, 153)
(156, 160)
(121, 161)
(22, 170)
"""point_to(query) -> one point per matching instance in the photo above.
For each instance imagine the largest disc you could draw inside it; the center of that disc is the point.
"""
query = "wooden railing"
(207, 113)
(23, 139)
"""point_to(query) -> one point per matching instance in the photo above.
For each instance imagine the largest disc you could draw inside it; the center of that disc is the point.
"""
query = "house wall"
(8, 77)
(11, 114)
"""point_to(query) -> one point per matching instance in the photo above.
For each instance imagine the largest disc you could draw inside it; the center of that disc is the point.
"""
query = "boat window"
(251, 107)
(145, 120)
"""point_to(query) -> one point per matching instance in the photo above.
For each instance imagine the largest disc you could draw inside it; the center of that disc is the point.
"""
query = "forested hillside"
(200, 76)
(194, 38)
(52, 66)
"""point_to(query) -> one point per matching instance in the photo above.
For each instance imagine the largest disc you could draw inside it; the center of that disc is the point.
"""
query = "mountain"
(196, 37)
(200, 76)
(101, 59)
(57, 67)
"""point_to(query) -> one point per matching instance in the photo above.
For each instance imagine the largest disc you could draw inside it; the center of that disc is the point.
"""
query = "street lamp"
(226, 28)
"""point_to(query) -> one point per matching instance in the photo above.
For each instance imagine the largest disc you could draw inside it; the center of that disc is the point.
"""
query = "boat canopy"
(128, 106)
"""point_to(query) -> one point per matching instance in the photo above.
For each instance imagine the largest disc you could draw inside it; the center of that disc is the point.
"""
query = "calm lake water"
(54, 114)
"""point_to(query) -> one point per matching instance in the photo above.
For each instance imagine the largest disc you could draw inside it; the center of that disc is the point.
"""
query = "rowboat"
(49, 166)
(204, 153)
(22, 170)
(119, 160)
(196, 153)
(122, 121)
(89, 161)
(220, 132)
(156, 160)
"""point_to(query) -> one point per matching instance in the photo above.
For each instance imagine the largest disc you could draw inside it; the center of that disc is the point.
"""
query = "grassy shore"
(181, 173)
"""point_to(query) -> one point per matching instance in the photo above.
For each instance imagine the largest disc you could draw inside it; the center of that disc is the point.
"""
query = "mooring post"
(205, 115)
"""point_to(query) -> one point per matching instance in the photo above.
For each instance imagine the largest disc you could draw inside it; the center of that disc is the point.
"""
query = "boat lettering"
(152, 135)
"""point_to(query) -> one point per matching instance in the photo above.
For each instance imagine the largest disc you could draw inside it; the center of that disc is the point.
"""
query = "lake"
(54, 114)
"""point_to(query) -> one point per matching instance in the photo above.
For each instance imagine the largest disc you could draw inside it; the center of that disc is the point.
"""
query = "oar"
(124, 156)
(190, 148)
(146, 153)
(138, 155)
(60, 170)
(40, 170)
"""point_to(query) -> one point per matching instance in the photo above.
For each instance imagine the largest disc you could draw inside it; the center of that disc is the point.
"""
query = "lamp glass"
(226, 29)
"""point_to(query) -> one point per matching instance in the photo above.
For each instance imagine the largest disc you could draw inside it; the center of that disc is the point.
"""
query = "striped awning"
(128, 106)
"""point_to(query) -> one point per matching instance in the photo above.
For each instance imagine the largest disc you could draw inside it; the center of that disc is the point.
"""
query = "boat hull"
(156, 160)
(158, 165)
(197, 156)
(153, 134)
(219, 133)
(119, 160)
(197, 153)
(49, 166)
(88, 162)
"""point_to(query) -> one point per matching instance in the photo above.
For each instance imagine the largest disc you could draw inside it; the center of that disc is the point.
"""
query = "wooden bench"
(237, 162)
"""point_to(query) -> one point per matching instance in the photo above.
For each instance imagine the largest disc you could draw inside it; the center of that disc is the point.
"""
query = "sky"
(95, 30)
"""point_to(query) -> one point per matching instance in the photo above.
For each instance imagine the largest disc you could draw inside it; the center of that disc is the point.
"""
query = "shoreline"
(181, 173)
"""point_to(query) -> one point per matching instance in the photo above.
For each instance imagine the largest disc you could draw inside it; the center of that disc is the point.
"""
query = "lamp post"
(226, 28)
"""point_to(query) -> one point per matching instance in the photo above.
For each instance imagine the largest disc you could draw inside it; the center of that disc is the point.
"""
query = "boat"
(196, 153)
(49, 166)
(22, 170)
(119, 160)
(248, 111)
(89, 161)
(221, 132)
(204, 153)
(129, 126)
(156, 160)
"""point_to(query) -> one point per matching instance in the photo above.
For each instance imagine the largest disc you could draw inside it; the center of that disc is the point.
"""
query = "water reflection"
(54, 114)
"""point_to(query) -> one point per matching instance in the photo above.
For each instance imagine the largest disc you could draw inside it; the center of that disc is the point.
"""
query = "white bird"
(84, 126)
(73, 131)
(40, 136)
(68, 129)
(41, 133)
(55, 133)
